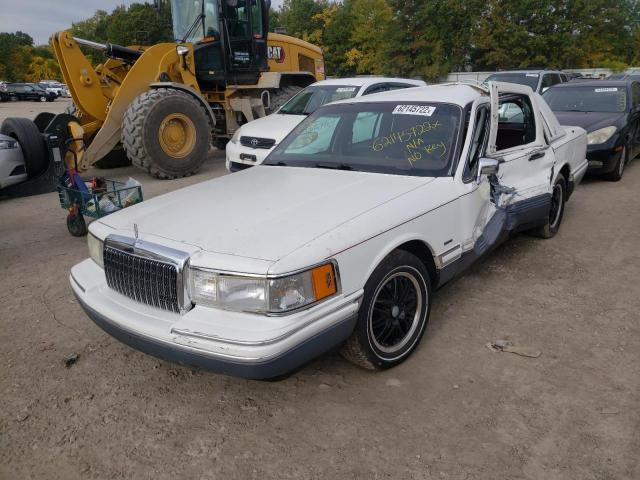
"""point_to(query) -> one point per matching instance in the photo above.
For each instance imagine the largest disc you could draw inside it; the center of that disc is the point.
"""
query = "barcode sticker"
(600, 90)
(345, 89)
(424, 110)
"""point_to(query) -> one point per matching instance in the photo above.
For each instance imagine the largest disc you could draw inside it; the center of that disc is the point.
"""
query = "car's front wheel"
(393, 314)
(618, 171)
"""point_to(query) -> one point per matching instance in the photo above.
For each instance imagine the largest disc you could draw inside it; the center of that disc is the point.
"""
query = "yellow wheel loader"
(165, 105)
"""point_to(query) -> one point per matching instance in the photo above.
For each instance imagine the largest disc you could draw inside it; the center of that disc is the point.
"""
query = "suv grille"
(144, 280)
(256, 142)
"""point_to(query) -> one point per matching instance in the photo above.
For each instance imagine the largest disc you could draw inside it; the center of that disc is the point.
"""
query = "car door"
(519, 144)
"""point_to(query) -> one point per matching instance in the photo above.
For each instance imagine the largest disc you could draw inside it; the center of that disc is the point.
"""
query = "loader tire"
(281, 96)
(167, 133)
(30, 139)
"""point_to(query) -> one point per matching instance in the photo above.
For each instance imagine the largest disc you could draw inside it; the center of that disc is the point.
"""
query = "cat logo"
(276, 53)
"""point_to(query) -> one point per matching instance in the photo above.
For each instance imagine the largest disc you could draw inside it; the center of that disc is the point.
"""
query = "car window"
(377, 88)
(516, 122)
(478, 142)
(549, 80)
(401, 138)
(314, 96)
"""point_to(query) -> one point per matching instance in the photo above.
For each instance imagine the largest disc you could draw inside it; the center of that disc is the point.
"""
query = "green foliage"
(416, 38)
(138, 24)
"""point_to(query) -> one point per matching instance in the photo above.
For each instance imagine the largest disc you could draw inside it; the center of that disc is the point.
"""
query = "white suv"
(252, 142)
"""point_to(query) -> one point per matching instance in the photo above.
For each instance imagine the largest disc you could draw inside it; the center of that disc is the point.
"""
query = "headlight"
(260, 294)
(236, 137)
(8, 144)
(601, 135)
(95, 249)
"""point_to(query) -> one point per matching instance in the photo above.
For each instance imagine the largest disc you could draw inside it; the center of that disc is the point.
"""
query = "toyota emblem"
(254, 142)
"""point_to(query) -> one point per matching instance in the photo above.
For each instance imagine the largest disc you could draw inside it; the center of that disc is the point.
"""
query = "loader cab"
(229, 38)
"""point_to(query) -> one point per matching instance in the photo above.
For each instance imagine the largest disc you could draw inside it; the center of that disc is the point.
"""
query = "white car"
(340, 238)
(252, 142)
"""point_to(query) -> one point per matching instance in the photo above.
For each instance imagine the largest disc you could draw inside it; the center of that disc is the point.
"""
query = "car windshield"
(529, 79)
(404, 138)
(313, 97)
(587, 99)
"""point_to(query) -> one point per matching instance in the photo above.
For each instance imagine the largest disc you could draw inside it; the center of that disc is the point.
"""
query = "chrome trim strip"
(214, 338)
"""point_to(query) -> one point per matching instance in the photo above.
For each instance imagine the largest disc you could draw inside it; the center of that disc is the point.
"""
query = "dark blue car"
(609, 110)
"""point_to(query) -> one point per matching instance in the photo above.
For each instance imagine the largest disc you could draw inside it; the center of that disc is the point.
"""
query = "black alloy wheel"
(393, 315)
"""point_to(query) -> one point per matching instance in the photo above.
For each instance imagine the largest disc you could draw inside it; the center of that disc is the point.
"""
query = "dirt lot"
(455, 410)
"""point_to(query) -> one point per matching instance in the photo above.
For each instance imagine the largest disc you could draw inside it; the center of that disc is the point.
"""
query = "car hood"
(591, 121)
(264, 212)
(276, 126)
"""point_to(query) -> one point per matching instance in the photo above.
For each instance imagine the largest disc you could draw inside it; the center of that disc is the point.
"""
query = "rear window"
(529, 79)
(587, 99)
(408, 138)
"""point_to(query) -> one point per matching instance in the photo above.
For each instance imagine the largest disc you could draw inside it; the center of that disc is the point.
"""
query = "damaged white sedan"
(339, 239)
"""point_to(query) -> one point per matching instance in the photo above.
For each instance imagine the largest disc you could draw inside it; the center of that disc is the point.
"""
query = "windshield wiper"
(334, 166)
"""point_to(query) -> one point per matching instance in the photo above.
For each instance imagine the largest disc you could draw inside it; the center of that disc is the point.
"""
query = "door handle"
(536, 155)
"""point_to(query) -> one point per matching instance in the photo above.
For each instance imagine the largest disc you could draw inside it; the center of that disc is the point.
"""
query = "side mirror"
(487, 166)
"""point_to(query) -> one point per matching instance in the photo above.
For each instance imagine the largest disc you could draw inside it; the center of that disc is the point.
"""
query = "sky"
(42, 18)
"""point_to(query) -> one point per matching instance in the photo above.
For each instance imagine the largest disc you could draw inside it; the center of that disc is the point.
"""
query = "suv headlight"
(601, 135)
(96, 247)
(260, 294)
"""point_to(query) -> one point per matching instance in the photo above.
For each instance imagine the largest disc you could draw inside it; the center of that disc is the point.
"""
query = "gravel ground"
(454, 410)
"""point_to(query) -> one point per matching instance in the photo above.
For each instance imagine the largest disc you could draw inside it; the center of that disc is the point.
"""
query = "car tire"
(43, 99)
(393, 315)
(76, 224)
(618, 171)
(556, 210)
(31, 142)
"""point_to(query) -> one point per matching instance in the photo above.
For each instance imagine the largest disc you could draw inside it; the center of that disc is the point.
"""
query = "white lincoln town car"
(340, 238)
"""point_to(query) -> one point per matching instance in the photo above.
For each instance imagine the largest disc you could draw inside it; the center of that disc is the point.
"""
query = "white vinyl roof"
(366, 81)
(456, 93)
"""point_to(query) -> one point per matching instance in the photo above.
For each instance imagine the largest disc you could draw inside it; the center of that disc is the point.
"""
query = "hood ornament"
(135, 230)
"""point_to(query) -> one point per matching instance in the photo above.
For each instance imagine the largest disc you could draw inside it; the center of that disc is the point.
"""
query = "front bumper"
(603, 160)
(232, 343)
(239, 157)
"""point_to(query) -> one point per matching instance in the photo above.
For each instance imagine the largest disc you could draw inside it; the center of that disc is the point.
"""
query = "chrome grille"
(145, 280)
(257, 142)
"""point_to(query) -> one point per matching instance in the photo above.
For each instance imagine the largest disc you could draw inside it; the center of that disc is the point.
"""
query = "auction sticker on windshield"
(345, 89)
(600, 90)
(423, 110)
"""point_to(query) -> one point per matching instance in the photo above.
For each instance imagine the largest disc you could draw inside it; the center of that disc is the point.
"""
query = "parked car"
(253, 141)
(52, 87)
(12, 165)
(5, 96)
(609, 110)
(340, 237)
(28, 91)
(538, 80)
